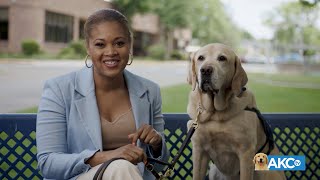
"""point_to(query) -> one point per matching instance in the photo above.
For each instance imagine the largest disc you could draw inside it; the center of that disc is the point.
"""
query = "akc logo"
(292, 163)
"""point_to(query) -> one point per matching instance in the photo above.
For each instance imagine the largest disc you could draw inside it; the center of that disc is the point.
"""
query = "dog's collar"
(267, 131)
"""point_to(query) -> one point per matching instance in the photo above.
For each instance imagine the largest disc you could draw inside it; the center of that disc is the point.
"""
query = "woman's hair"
(106, 15)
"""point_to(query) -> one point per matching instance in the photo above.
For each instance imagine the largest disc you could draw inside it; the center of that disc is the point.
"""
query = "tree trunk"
(169, 43)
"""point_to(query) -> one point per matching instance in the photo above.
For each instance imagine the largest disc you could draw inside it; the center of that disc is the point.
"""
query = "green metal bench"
(295, 134)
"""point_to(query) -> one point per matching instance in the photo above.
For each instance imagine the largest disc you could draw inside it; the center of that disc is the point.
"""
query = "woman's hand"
(130, 152)
(147, 135)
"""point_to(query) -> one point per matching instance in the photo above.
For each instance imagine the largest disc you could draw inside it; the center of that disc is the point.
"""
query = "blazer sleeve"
(54, 161)
(158, 125)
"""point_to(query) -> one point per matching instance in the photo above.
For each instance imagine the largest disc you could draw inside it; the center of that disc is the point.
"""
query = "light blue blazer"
(68, 122)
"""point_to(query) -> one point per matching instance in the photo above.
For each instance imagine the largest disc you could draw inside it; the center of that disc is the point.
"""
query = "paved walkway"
(21, 81)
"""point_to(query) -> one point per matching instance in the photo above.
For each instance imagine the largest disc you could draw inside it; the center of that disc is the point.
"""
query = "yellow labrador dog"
(260, 161)
(228, 134)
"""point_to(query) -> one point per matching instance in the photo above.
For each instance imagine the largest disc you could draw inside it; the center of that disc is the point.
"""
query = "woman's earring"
(87, 62)
(131, 59)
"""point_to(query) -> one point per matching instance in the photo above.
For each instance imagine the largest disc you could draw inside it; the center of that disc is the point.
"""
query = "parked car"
(255, 59)
(314, 59)
(289, 58)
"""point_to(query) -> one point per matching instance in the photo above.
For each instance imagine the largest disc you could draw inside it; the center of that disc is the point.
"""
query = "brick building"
(54, 23)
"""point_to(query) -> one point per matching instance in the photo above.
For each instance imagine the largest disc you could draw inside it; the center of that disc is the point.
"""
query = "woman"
(101, 111)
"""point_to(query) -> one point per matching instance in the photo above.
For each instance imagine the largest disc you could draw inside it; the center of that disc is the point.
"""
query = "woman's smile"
(111, 63)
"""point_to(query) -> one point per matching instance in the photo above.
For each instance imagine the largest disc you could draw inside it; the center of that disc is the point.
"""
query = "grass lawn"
(293, 78)
(269, 98)
(29, 110)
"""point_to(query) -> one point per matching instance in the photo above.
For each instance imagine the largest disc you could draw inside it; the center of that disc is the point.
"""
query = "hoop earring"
(131, 59)
(86, 62)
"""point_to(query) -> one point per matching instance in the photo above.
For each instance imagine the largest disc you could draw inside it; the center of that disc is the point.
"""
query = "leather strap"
(266, 128)
(103, 167)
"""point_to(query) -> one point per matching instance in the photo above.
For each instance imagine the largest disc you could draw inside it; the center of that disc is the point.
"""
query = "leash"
(170, 166)
(98, 175)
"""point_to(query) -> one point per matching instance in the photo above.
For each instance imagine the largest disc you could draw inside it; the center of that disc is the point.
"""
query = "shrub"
(176, 54)
(30, 47)
(79, 48)
(156, 51)
(75, 50)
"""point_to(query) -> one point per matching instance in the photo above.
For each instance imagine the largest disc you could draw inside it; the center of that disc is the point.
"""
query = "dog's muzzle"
(206, 83)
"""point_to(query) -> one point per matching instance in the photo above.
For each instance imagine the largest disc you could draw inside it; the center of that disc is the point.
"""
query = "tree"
(207, 19)
(173, 14)
(309, 2)
(130, 7)
(212, 24)
(295, 20)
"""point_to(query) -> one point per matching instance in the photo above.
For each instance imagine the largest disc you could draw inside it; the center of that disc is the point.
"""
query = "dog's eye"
(201, 58)
(222, 58)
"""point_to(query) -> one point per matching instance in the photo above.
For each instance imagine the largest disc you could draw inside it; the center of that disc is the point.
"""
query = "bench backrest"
(295, 134)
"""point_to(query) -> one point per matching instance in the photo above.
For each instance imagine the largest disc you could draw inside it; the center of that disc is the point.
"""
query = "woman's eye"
(201, 58)
(120, 43)
(99, 44)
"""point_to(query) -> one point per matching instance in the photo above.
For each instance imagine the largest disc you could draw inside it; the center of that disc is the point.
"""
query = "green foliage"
(309, 3)
(293, 19)
(212, 24)
(78, 47)
(207, 19)
(30, 47)
(129, 7)
(173, 13)
(246, 35)
(156, 51)
(176, 54)
(75, 50)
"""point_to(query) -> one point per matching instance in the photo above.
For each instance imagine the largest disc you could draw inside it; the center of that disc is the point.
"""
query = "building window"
(141, 42)
(59, 27)
(81, 29)
(4, 23)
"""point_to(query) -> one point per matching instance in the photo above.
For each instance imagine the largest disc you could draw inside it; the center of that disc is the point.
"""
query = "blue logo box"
(287, 163)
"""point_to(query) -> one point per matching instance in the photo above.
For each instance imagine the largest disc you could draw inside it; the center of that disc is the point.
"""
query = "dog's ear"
(192, 75)
(239, 79)
(254, 160)
(189, 77)
(267, 160)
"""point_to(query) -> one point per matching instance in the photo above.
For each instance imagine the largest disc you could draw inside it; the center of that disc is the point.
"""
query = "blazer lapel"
(140, 105)
(138, 98)
(86, 106)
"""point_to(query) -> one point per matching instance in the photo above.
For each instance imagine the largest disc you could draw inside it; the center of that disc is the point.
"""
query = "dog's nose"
(206, 70)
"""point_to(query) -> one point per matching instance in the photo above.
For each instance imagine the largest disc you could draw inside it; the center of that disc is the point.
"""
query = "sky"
(249, 15)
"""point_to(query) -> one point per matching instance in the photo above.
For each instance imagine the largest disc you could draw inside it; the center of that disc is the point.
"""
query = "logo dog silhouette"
(260, 161)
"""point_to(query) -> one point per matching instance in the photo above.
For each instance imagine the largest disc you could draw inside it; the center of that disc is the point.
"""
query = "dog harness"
(266, 128)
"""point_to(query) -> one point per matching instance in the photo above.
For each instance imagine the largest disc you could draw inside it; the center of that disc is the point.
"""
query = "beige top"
(115, 133)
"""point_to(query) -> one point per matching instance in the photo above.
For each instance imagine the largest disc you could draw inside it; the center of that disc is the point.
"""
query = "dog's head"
(261, 160)
(216, 69)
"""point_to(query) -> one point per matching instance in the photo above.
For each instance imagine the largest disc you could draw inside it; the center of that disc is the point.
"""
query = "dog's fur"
(260, 161)
(227, 134)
